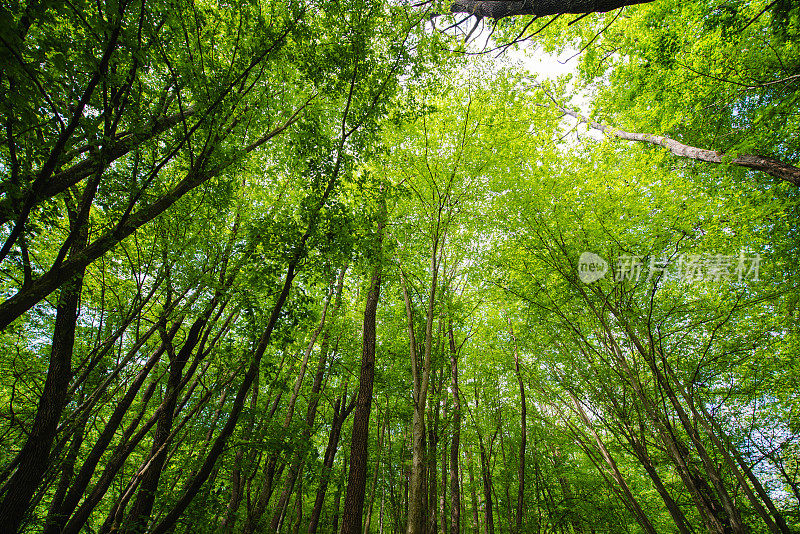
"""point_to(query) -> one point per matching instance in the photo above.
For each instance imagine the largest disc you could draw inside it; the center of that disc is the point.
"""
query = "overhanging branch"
(498, 9)
(771, 166)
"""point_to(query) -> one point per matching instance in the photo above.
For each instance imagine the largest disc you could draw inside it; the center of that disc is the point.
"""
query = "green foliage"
(294, 129)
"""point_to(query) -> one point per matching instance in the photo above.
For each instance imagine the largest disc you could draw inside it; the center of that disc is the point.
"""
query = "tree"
(201, 207)
(499, 9)
(356, 481)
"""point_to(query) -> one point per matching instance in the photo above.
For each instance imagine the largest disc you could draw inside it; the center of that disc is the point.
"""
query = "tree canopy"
(355, 266)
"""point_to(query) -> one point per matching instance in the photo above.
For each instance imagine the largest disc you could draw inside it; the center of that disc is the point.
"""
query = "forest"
(365, 266)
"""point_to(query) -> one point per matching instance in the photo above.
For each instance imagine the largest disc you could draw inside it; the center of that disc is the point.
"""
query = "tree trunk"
(486, 477)
(297, 460)
(443, 523)
(340, 413)
(337, 498)
(432, 464)
(418, 487)
(194, 484)
(377, 469)
(475, 516)
(34, 456)
(523, 436)
(455, 493)
(498, 9)
(357, 478)
(67, 470)
(143, 506)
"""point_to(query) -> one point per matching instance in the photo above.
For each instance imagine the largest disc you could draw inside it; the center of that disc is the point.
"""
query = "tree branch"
(771, 166)
(498, 9)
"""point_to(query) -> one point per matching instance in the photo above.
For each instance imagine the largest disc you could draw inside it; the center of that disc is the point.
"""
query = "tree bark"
(34, 456)
(357, 478)
(84, 476)
(455, 493)
(145, 498)
(523, 436)
(420, 370)
(498, 9)
(771, 166)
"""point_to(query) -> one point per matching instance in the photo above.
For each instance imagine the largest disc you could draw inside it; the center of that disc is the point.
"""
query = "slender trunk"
(237, 489)
(537, 479)
(237, 481)
(733, 518)
(432, 453)
(455, 494)
(778, 169)
(641, 517)
(296, 464)
(377, 469)
(118, 456)
(194, 484)
(486, 477)
(338, 497)
(474, 496)
(418, 498)
(523, 436)
(340, 413)
(298, 509)
(380, 513)
(143, 506)
(357, 478)
(443, 486)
